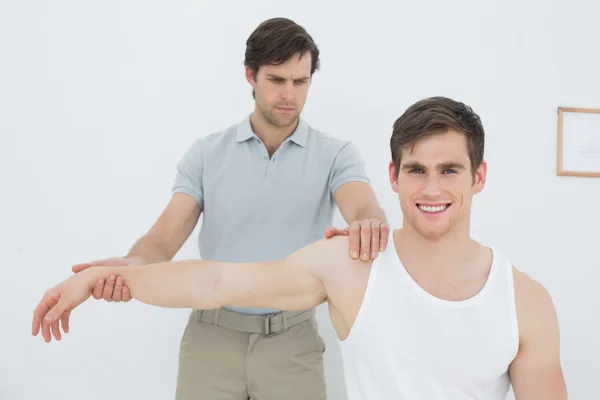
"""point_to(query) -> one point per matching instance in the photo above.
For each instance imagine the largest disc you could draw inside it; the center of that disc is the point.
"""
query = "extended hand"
(112, 289)
(57, 303)
(367, 237)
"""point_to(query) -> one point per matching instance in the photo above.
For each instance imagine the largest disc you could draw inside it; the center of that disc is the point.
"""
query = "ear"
(480, 178)
(393, 176)
(250, 77)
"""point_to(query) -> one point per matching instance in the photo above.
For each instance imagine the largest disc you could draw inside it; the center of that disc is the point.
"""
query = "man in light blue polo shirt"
(267, 186)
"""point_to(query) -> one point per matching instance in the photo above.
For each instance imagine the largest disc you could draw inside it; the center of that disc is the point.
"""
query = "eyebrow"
(441, 166)
(280, 78)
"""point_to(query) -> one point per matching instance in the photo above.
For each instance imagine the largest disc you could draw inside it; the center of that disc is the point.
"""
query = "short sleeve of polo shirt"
(188, 176)
(348, 166)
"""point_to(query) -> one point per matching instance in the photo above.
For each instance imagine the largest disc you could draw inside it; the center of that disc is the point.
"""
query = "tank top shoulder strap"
(378, 269)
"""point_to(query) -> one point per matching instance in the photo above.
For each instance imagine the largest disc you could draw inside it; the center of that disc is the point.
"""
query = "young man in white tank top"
(437, 316)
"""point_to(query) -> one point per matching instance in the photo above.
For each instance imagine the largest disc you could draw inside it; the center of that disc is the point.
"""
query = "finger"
(375, 237)
(79, 267)
(384, 232)
(53, 316)
(118, 288)
(98, 288)
(64, 321)
(126, 294)
(109, 287)
(47, 302)
(354, 240)
(329, 232)
(46, 329)
(365, 240)
(56, 329)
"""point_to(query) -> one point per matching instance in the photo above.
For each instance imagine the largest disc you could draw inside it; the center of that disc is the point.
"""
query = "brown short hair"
(275, 41)
(437, 115)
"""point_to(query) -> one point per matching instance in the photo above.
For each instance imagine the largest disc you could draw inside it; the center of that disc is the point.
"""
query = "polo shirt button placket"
(268, 167)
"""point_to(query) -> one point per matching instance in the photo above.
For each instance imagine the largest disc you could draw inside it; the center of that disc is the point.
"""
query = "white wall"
(98, 100)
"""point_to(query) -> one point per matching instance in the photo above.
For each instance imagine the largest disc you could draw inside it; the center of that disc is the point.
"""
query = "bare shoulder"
(529, 290)
(536, 371)
(327, 257)
(324, 248)
(345, 280)
(535, 308)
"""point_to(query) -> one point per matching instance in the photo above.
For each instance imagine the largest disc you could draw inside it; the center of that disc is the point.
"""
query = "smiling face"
(437, 165)
(436, 184)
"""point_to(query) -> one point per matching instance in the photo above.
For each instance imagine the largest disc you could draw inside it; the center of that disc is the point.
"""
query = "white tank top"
(407, 344)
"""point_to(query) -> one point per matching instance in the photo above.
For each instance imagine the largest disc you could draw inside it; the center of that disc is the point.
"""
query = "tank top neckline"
(395, 260)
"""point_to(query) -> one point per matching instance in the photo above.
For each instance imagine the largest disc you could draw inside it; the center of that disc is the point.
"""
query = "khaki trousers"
(229, 356)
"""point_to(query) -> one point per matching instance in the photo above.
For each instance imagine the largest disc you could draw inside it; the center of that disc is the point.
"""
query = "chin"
(433, 235)
(283, 122)
(432, 232)
(288, 121)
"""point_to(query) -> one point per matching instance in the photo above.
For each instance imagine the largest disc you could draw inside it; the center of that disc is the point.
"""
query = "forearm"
(149, 249)
(179, 284)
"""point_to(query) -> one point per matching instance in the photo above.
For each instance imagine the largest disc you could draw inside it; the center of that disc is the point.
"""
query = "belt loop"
(284, 320)
(198, 315)
(216, 316)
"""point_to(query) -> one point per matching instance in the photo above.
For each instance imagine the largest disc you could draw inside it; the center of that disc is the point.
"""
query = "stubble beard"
(281, 122)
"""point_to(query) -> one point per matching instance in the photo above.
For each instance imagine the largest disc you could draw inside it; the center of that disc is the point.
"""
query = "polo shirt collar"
(245, 132)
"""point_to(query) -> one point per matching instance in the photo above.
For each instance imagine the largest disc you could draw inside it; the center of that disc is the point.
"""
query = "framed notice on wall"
(578, 142)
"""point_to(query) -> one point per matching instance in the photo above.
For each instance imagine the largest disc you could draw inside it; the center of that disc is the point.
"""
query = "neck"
(271, 135)
(452, 252)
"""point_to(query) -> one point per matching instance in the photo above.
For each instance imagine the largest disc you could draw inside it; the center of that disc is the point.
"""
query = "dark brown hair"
(437, 115)
(275, 41)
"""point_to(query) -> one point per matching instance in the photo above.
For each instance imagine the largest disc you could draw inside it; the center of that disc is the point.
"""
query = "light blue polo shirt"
(259, 209)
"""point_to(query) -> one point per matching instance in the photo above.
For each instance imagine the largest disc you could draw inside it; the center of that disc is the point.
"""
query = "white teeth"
(433, 209)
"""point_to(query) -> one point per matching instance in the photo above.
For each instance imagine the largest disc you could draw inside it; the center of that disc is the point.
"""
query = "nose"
(288, 93)
(431, 186)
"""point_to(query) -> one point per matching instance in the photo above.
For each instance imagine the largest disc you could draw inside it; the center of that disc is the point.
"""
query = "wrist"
(90, 275)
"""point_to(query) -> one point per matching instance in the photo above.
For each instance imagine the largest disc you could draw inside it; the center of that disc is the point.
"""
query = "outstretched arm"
(536, 372)
(294, 283)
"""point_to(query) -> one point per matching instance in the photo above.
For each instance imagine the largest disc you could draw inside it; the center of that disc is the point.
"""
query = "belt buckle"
(267, 325)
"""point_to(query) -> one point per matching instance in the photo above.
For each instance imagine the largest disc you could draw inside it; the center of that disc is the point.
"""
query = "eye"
(415, 171)
(449, 171)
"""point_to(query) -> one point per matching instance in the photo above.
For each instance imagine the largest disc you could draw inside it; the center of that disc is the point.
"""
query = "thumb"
(51, 319)
(57, 311)
(329, 232)
(80, 267)
(110, 262)
(332, 231)
(107, 262)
